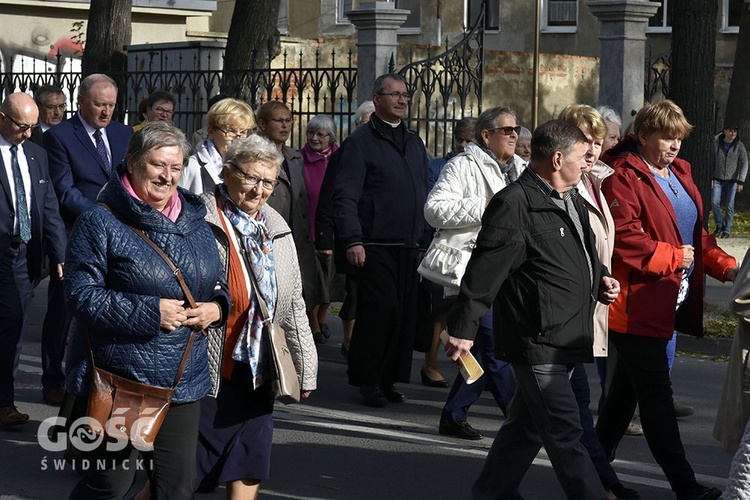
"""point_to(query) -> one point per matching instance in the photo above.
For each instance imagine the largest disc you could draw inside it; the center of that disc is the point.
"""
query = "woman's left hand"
(305, 394)
(203, 315)
(732, 273)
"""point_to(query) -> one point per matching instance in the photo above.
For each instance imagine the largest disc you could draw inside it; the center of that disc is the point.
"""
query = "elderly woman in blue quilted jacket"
(125, 297)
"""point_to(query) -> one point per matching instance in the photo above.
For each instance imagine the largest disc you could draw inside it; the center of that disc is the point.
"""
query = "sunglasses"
(506, 130)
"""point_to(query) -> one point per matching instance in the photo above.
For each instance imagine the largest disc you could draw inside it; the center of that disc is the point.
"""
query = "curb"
(687, 344)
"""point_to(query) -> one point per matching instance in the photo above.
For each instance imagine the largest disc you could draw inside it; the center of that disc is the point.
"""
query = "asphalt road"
(333, 447)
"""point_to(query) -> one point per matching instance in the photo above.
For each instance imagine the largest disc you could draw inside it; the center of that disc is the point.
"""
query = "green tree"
(108, 32)
(253, 40)
(692, 85)
(738, 104)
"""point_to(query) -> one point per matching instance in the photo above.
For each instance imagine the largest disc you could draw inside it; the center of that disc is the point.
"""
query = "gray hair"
(379, 84)
(93, 79)
(488, 120)
(251, 149)
(157, 135)
(524, 133)
(366, 108)
(323, 123)
(610, 115)
(554, 136)
(45, 90)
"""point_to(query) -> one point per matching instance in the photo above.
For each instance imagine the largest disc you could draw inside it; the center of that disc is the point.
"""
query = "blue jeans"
(723, 190)
(497, 374)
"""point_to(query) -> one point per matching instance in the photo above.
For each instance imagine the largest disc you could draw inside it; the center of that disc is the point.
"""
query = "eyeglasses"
(164, 111)
(674, 189)
(319, 135)
(282, 120)
(55, 107)
(21, 127)
(506, 130)
(396, 95)
(233, 134)
(253, 180)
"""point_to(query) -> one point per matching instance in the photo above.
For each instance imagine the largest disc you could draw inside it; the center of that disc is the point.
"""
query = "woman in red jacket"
(661, 253)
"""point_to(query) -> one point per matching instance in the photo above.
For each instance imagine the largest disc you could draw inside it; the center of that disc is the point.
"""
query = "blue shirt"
(684, 207)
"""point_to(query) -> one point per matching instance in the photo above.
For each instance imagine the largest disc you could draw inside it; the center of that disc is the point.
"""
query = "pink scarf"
(171, 210)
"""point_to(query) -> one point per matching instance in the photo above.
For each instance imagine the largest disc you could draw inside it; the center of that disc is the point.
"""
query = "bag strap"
(256, 290)
(178, 274)
(253, 279)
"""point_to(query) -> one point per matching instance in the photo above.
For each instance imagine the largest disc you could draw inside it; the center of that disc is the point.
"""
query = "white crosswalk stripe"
(33, 364)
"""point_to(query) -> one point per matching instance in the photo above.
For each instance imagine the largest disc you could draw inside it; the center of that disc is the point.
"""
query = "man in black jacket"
(536, 262)
(379, 197)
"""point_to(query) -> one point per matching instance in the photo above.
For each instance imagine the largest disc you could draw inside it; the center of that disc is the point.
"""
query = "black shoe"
(373, 395)
(699, 492)
(319, 338)
(623, 493)
(724, 235)
(325, 330)
(458, 429)
(681, 411)
(718, 231)
(441, 384)
(392, 395)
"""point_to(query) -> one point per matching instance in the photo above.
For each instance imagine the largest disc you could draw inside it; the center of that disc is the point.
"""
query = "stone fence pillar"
(623, 53)
(377, 23)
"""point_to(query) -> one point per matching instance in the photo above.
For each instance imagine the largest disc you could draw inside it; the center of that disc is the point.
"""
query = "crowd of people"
(537, 251)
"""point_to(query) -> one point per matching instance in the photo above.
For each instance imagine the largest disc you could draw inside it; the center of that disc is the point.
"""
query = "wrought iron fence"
(657, 76)
(446, 87)
(307, 90)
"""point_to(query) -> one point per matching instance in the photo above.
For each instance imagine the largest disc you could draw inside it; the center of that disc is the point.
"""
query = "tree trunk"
(692, 85)
(109, 31)
(738, 105)
(252, 43)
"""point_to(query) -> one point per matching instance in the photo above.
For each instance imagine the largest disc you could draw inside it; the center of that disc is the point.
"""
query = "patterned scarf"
(257, 249)
(508, 169)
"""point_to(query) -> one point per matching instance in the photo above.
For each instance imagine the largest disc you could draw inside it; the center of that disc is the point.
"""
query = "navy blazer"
(78, 172)
(48, 237)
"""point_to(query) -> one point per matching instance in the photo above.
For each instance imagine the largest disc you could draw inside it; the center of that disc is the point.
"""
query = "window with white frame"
(661, 22)
(412, 24)
(731, 10)
(283, 20)
(560, 15)
(491, 15)
(343, 6)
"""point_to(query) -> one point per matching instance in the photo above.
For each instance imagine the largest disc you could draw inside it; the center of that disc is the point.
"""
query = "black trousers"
(171, 464)
(543, 412)
(383, 338)
(16, 290)
(641, 376)
(54, 334)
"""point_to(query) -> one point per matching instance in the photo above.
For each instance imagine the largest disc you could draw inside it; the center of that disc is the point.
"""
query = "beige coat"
(604, 230)
(734, 405)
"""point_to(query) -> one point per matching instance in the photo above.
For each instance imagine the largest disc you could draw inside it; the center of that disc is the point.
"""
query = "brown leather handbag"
(126, 409)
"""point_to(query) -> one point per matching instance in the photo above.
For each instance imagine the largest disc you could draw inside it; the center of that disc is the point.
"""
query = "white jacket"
(460, 194)
(200, 174)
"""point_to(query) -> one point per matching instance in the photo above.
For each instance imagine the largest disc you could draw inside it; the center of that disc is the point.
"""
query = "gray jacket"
(732, 165)
(290, 308)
